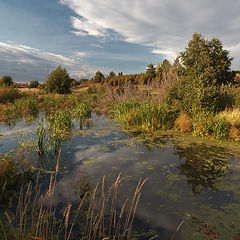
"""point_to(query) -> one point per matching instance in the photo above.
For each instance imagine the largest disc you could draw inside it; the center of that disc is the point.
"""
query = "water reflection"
(176, 169)
(203, 166)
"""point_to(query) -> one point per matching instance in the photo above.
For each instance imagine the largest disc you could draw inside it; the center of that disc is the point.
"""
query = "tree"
(99, 77)
(6, 80)
(112, 74)
(150, 71)
(58, 81)
(206, 60)
(33, 84)
(203, 68)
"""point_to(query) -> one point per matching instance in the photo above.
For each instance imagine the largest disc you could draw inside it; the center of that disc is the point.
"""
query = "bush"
(8, 94)
(183, 123)
(33, 84)
(58, 81)
(234, 134)
(6, 81)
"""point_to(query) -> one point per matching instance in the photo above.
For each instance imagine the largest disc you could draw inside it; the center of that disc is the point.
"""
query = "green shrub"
(58, 81)
(6, 81)
(33, 84)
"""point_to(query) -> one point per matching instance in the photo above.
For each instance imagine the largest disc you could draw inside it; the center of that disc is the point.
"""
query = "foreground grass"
(96, 216)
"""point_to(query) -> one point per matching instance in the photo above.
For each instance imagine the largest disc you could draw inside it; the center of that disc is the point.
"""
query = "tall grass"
(60, 122)
(96, 216)
(208, 124)
(147, 114)
(8, 94)
(82, 112)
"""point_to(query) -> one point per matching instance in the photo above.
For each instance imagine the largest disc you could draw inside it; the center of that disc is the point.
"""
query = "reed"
(147, 114)
(35, 216)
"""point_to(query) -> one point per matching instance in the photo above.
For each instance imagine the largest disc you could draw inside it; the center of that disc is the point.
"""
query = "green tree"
(111, 75)
(204, 67)
(33, 84)
(6, 80)
(206, 60)
(99, 77)
(150, 71)
(58, 81)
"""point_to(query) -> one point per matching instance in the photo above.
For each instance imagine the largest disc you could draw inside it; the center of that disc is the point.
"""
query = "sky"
(107, 35)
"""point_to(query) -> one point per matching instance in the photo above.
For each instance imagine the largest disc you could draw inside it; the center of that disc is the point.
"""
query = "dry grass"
(95, 218)
(232, 116)
(183, 123)
(234, 134)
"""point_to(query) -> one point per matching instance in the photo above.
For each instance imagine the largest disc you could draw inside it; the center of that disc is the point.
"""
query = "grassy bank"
(138, 108)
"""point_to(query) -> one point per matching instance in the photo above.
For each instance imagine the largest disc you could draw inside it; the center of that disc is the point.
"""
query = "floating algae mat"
(190, 180)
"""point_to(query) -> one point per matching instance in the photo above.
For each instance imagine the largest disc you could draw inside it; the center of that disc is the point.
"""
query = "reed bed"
(96, 216)
(30, 106)
(146, 114)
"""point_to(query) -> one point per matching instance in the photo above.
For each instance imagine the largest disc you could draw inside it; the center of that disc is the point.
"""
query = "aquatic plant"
(12, 172)
(148, 115)
(82, 112)
(60, 122)
(27, 106)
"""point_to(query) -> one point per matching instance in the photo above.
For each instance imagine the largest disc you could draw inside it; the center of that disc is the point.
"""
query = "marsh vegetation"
(177, 125)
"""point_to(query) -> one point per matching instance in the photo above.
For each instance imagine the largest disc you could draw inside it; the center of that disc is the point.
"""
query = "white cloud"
(29, 63)
(166, 26)
(235, 51)
(96, 45)
(81, 54)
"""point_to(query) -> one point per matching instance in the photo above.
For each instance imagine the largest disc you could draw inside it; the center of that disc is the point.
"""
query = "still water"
(185, 175)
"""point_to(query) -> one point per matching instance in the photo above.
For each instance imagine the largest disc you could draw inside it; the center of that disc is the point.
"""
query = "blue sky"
(107, 35)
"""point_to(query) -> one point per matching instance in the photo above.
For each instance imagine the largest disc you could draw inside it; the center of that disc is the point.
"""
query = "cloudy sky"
(107, 35)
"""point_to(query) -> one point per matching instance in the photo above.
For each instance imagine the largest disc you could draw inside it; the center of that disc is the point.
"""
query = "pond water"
(185, 175)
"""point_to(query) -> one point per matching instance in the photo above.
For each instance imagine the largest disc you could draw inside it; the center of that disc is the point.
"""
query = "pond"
(185, 175)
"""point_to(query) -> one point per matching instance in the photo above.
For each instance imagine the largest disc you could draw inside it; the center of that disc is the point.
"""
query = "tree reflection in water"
(204, 166)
